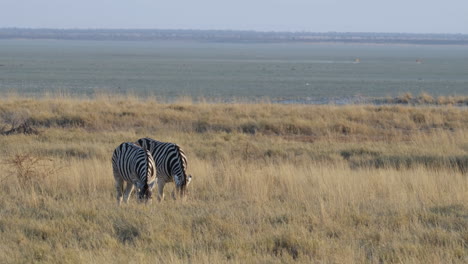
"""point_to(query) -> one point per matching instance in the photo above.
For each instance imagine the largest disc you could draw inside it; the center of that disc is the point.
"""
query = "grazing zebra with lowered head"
(135, 166)
(171, 165)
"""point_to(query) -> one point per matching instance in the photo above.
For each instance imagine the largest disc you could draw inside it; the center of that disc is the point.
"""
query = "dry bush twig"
(14, 118)
(30, 170)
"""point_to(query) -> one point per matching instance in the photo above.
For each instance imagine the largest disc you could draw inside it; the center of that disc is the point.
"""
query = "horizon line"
(231, 30)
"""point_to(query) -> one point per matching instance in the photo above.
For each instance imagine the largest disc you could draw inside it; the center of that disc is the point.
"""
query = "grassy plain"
(272, 183)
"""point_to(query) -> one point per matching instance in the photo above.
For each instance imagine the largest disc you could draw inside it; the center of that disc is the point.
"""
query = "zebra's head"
(182, 189)
(145, 193)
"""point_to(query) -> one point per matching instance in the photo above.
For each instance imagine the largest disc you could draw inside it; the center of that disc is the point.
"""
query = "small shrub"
(201, 126)
(19, 122)
(249, 128)
(359, 152)
(406, 98)
(127, 113)
(127, 233)
(342, 129)
(270, 128)
(24, 128)
(15, 118)
(445, 100)
(459, 163)
(286, 244)
(65, 121)
(418, 118)
(425, 98)
(30, 170)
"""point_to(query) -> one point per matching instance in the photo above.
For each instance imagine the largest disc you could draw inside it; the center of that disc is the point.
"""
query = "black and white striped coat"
(171, 164)
(135, 166)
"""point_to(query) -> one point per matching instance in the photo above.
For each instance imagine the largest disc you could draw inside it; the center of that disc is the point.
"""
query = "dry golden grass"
(272, 183)
(425, 99)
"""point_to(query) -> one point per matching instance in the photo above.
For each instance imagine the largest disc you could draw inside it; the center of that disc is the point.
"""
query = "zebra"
(134, 165)
(171, 165)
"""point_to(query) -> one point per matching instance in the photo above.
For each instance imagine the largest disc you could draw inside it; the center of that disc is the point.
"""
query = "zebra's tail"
(150, 172)
(183, 185)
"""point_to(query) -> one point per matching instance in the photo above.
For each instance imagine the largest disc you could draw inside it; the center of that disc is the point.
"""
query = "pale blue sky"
(410, 16)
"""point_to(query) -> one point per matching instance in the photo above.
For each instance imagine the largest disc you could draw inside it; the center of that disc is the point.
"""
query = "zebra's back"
(132, 164)
(170, 159)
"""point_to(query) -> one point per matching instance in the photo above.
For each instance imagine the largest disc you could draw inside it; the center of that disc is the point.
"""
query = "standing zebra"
(171, 164)
(134, 165)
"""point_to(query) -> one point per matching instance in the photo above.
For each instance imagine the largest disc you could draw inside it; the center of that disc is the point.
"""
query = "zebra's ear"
(189, 179)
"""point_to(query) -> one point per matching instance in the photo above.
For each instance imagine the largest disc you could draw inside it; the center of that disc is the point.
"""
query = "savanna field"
(271, 183)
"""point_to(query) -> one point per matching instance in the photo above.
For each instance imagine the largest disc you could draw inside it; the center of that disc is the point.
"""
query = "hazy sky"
(415, 16)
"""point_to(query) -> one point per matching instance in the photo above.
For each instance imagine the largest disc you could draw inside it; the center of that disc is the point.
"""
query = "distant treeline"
(232, 36)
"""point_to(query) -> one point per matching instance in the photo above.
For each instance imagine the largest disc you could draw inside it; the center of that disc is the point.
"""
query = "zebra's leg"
(128, 191)
(178, 193)
(161, 184)
(119, 188)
